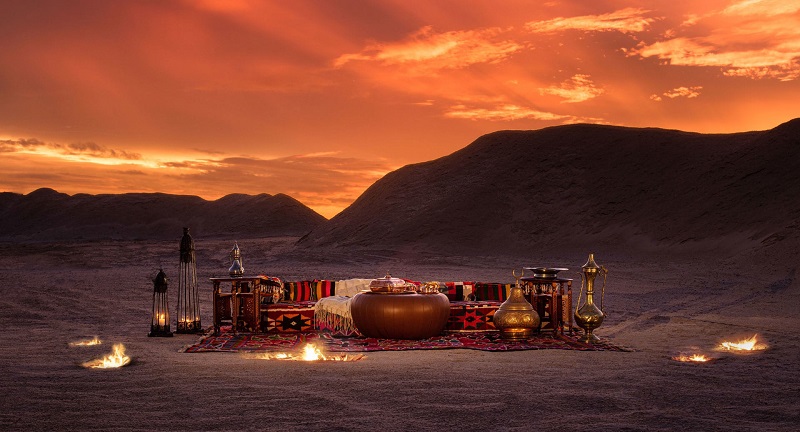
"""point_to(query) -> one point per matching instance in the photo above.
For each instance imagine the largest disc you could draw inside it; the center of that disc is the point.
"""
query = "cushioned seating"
(298, 310)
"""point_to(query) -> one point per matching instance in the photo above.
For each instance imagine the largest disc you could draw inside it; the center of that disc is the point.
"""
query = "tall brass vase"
(516, 318)
(589, 316)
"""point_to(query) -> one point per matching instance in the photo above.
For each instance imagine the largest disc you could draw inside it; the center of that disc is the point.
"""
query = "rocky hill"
(584, 186)
(47, 215)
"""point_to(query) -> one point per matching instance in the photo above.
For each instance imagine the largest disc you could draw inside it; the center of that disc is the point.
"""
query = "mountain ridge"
(48, 215)
(581, 186)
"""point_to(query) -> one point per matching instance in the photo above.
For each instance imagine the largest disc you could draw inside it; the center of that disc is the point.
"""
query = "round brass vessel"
(516, 318)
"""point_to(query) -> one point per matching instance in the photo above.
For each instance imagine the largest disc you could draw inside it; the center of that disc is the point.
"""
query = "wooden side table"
(242, 305)
(552, 299)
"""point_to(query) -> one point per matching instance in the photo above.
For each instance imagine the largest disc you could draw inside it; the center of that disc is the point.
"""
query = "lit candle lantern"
(159, 323)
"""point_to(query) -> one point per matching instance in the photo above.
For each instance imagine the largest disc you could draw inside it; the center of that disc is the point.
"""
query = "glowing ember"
(698, 358)
(310, 353)
(89, 342)
(743, 345)
(114, 360)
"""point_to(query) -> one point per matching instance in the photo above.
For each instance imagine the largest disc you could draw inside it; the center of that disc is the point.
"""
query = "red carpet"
(483, 341)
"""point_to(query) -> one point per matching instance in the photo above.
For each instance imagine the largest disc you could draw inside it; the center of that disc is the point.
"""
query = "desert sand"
(54, 294)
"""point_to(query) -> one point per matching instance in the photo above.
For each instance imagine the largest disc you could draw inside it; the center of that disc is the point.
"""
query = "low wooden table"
(551, 301)
(241, 307)
(400, 315)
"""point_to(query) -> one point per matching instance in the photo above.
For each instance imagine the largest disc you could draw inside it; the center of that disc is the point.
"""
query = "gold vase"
(516, 318)
(589, 316)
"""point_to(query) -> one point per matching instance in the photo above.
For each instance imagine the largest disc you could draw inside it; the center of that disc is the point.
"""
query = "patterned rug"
(483, 341)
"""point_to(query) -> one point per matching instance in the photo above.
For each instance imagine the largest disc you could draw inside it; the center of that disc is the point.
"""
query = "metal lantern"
(159, 324)
(188, 314)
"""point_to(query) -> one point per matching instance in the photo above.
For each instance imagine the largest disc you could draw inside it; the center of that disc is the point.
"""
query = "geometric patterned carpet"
(483, 341)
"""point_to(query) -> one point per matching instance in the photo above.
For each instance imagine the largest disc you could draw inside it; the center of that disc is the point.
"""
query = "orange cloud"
(426, 50)
(687, 92)
(753, 38)
(779, 61)
(75, 151)
(500, 113)
(628, 20)
(762, 7)
(510, 112)
(579, 88)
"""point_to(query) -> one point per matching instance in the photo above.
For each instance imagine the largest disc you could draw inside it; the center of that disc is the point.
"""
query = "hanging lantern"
(159, 324)
(188, 298)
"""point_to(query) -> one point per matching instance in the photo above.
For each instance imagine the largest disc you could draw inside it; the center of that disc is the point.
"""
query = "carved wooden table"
(551, 301)
(241, 307)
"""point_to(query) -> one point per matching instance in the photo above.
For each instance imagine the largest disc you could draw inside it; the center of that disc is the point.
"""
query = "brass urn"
(237, 264)
(589, 316)
(516, 318)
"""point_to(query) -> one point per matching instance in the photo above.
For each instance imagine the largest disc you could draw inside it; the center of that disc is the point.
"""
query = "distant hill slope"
(586, 186)
(45, 214)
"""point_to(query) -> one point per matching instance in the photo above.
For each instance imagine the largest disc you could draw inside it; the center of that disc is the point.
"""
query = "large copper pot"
(406, 315)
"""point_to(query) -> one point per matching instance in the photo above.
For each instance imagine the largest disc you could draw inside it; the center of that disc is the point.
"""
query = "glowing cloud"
(763, 7)
(500, 113)
(687, 92)
(579, 88)
(427, 50)
(86, 151)
(628, 20)
(754, 38)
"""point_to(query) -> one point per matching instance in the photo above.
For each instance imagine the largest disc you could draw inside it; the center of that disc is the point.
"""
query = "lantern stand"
(188, 313)
(159, 324)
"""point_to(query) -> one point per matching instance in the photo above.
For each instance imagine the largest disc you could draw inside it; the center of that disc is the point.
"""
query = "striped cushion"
(492, 291)
(322, 288)
(298, 291)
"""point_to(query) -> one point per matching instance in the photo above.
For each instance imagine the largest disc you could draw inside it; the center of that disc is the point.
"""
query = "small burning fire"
(310, 353)
(114, 360)
(750, 344)
(87, 342)
(696, 358)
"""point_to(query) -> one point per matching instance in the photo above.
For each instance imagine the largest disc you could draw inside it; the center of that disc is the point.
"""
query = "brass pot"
(516, 318)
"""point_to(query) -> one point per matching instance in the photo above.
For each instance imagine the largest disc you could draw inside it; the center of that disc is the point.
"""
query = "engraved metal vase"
(589, 316)
(516, 318)
(237, 265)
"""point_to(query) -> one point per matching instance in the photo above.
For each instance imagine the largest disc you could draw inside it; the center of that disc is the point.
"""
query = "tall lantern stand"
(159, 324)
(188, 297)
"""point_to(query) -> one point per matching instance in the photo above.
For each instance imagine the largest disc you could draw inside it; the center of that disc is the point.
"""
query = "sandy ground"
(53, 294)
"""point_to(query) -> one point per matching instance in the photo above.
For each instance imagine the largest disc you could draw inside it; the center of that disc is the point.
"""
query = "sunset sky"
(319, 99)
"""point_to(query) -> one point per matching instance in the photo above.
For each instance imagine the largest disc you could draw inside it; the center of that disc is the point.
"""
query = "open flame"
(310, 353)
(750, 344)
(697, 358)
(114, 360)
(87, 342)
